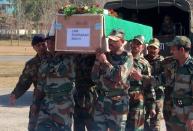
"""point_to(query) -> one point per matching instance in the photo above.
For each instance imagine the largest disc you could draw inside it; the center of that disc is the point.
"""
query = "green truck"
(153, 13)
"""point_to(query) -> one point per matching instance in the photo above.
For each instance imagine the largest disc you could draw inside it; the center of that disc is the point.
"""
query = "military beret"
(38, 38)
(180, 40)
(154, 42)
(140, 38)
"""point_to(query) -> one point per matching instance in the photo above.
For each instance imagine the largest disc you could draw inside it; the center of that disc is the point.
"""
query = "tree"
(38, 14)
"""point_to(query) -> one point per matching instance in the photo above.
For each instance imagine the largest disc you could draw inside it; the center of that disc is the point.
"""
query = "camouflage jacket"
(57, 77)
(181, 77)
(84, 84)
(145, 92)
(113, 76)
(84, 65)
(28, 76)
(156, 69)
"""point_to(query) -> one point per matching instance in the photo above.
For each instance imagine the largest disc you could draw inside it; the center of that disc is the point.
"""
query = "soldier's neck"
(183, 59)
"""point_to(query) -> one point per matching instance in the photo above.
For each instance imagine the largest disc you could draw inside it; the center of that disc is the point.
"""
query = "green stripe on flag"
(131, 29)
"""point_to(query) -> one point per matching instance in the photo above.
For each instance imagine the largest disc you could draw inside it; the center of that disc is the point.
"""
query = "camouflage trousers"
(156, 123)
(135, 120)
(56, 114)
(135, 117)
(178, 119)
(110, 113)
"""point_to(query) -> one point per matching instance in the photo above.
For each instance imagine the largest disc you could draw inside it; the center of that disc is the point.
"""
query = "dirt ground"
(16, 50)
(13, 118)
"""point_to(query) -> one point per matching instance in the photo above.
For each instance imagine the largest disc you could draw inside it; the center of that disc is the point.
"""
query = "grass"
(10, 71)
(15, 48)
(8, 82)
(15, 43)
(23, 48)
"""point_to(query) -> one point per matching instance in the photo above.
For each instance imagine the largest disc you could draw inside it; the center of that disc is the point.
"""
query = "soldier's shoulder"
(34, 60)
(191, 60)
(128, 54)
(190, 63)
(143, 61)
(161, 58)
(168, 60)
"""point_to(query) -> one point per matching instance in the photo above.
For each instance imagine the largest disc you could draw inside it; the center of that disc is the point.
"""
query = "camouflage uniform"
(156, 68)
(112, 102)
(141, 95)
(168, 84)
(83, 96)
(55, 93)
(180, 76)
(29, 76)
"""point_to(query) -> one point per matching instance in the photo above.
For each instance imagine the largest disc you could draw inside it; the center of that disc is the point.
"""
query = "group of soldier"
(119, 90)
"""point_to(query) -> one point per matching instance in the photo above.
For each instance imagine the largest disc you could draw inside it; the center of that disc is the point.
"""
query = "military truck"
(152, 13)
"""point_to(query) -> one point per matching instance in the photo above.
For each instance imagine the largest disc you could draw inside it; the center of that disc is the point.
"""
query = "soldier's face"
(136, 47)
(153, 51)
(51, 45)
(115, 45)
(40, 48)
(167, 19)
(175, 52)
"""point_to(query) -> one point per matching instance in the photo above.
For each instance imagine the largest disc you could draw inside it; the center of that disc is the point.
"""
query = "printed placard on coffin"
(79, 33)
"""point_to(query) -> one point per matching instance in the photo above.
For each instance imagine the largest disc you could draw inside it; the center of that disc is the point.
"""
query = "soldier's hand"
(33, 109)
(12, 99)
(135, 74)
(100, 56)
(152, 113)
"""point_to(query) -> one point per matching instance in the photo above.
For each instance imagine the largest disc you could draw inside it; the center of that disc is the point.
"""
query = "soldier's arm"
(39, 93)
(24, 83)
(95, 74)
(149, 91)
(118, 73)
(190, 116)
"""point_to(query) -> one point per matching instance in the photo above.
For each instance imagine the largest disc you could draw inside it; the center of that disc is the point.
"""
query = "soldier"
(180, 73)
(168, 84)
(157, 123)
(55, 91)
(29, 76)
(83, 112)
(141, 94)
(110, 72)
(167, 27)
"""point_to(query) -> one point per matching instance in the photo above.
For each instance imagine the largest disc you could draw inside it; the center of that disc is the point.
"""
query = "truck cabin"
(168, 18)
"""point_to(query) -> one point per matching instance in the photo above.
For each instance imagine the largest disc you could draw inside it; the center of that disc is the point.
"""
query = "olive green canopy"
(185, 5)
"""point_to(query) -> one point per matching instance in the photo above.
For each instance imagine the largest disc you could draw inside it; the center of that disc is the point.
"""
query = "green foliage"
(96, 10)
(71, 9)
(32, 9)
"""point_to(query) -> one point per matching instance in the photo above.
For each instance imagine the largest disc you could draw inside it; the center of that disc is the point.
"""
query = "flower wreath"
(71, 9)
